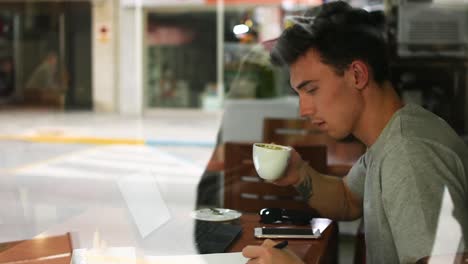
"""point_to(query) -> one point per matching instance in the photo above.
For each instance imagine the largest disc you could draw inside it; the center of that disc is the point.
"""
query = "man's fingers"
(268, 243)
(252, 251)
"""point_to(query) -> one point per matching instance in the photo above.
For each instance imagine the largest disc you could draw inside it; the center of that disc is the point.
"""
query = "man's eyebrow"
(304, 83)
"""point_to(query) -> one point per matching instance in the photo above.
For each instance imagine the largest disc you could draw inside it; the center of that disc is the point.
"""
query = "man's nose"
(306, 107)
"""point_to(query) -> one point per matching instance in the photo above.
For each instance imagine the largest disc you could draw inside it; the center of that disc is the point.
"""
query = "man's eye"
(311, 90)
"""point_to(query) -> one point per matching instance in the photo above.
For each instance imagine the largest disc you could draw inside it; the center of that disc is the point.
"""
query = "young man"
(415, 165)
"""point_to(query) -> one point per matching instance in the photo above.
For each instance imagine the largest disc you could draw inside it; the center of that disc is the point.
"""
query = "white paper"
(127, 256)
(115, 255)
(144, 201)
(224, 258)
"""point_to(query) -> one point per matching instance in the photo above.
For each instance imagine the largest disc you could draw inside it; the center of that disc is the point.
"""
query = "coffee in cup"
(270, 160)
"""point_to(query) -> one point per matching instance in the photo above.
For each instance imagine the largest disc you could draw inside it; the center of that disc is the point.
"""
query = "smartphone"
(285, 232)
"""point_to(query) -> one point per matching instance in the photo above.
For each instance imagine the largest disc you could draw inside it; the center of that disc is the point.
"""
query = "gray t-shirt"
(414, 185)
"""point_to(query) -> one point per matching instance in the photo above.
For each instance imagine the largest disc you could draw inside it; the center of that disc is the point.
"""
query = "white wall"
(131, 60)
(243, 118)
(104, 59)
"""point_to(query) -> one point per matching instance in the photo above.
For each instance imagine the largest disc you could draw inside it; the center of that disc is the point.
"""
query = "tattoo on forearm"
(305, 188)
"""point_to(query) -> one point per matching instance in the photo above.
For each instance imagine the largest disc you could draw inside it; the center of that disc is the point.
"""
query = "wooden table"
(323, 250)
(48, 250)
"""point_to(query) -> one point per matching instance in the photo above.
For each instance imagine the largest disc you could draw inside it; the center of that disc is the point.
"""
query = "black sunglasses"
(280, 216)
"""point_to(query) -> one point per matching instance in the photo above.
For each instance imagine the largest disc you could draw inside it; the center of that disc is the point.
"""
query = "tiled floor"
(75, 172)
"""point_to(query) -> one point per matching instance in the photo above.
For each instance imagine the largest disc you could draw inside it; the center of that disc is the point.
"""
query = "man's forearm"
(327, 194)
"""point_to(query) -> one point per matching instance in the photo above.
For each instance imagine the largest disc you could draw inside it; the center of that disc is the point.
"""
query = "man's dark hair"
(340, 34)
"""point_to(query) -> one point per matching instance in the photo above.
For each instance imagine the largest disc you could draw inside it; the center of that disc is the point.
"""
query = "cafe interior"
(166, 209)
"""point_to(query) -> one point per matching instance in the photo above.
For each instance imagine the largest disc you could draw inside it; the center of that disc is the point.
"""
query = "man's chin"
(347, 138)
(343, 138)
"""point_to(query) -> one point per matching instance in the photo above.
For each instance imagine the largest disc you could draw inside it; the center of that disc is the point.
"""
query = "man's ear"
(359, 73)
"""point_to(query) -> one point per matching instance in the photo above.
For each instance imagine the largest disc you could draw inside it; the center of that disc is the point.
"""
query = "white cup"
(270, 160)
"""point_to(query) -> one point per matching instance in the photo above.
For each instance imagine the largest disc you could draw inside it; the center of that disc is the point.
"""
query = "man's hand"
(291, 175)
(267, 254)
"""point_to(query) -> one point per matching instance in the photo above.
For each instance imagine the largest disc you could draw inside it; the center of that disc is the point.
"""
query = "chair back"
(341, 155)
(245, 191)
(50, 250)
(292, 131)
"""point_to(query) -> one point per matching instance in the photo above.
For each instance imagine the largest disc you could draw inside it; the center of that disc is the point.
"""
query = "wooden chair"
(341, 155)
(246, 192)
(44, 98)
(48, 250)
(360, 245)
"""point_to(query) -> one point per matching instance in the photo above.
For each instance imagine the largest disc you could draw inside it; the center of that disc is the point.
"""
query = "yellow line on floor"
(77, 140)
(31, 165)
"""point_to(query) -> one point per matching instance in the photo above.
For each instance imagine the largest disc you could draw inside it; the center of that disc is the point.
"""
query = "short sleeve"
(415, 176)
(357, 176)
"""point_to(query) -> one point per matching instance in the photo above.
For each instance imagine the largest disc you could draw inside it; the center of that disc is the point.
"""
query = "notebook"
(215, 237)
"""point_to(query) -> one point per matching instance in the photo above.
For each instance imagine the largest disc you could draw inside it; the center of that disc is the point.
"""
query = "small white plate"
(216, 214)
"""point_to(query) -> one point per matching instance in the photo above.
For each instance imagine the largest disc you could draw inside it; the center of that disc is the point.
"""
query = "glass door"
(45, 54)
(40, 54)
